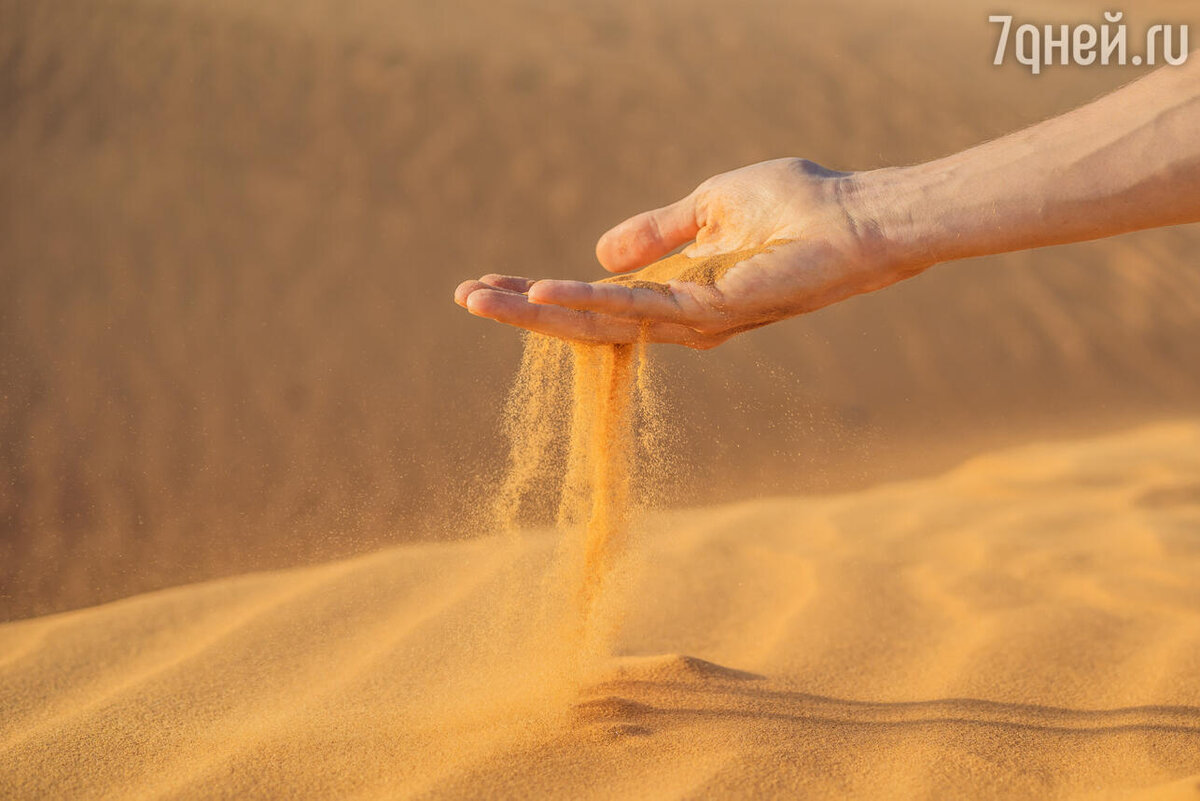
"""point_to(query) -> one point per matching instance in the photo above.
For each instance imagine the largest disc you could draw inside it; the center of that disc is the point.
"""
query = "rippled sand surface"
(1025, 626)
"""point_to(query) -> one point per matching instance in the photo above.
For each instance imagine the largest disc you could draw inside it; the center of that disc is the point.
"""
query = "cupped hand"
(823, 248)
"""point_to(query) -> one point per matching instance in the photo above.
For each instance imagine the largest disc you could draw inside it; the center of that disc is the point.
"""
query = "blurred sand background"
(229, 233)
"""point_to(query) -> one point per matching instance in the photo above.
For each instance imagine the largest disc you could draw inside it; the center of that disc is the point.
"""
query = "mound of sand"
(1027, 625)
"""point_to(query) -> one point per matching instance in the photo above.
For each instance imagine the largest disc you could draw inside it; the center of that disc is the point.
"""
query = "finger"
(515, 309)
(465, 289)
(508, 283)
(615, 299)
(648, 236)
(557, 321)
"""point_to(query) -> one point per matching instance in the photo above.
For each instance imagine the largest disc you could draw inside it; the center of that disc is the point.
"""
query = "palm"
(816, 258)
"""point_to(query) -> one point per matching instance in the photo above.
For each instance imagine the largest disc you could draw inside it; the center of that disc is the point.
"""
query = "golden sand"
(703, 270)
(1026, 626)
(584, 450)
(196, 386)
(581, 425)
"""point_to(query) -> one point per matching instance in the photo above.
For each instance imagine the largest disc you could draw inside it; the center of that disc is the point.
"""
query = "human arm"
(1128, 161)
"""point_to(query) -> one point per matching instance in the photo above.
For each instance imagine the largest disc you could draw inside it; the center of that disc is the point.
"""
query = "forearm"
(1128, 161)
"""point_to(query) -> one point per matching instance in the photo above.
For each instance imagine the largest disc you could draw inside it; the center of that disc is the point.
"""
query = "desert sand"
(941, 541)
(1025, 626)
(229, 232)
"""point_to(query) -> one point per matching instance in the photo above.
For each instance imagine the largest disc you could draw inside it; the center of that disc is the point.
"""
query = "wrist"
(889, 210)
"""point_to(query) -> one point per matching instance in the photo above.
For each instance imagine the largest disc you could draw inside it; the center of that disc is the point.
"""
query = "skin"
(1126, 162)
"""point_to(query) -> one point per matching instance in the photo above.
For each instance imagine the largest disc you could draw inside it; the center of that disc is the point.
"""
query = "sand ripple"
(1027, 625)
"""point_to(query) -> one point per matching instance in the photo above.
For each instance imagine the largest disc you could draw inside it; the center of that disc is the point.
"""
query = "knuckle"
(627, 300)
(653, 229)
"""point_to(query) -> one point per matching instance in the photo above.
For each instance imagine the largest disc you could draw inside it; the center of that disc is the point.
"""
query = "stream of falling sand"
(586, 433)
(582, 424)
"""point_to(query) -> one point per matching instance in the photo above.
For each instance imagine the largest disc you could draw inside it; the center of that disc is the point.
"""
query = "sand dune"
(1026, 625)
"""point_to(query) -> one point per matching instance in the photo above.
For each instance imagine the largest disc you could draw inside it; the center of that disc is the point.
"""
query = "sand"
(229, 231)
(702, 270)
(1024, 626)
(938, 541)
(577, 422)
(588, 450)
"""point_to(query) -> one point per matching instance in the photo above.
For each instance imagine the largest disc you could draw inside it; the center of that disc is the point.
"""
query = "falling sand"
(582, 425)
(586, 441)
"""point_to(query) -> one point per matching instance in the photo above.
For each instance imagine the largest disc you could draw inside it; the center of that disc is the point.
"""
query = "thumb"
(648, 236)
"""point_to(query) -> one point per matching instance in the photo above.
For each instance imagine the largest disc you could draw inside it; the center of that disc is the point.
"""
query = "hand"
(825, 249)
